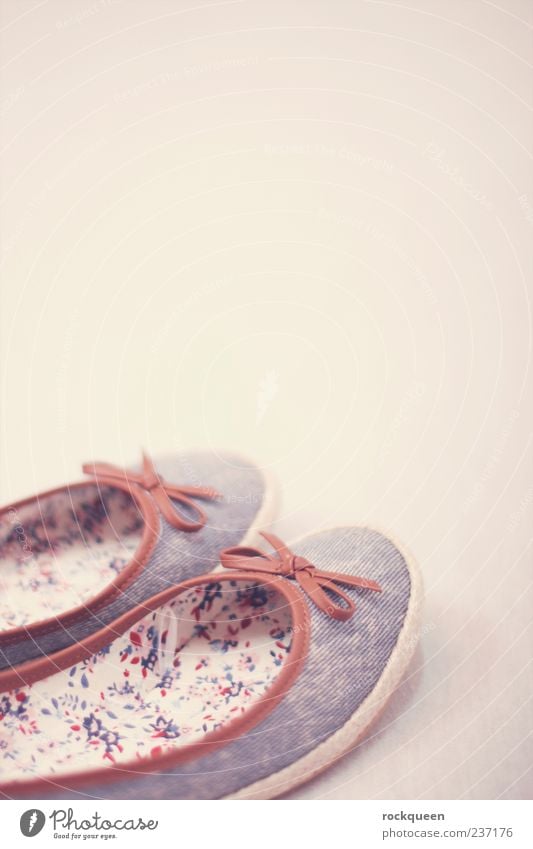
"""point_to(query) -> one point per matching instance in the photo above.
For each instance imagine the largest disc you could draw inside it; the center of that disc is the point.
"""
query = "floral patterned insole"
(47, 586)
(182, 672)
(59, 553)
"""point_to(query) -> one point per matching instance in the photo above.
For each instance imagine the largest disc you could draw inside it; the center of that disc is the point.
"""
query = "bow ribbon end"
(160, 491)
(321, 586)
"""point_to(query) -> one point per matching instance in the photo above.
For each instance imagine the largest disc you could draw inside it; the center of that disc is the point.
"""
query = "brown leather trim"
(161, 491)
(215, 739)
(125, 577)
(313, 581)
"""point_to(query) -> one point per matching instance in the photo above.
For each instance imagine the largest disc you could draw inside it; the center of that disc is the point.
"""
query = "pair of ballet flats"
(155, 642)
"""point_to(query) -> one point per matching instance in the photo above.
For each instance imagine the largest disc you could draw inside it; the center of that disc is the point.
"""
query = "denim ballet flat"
(241, 683)
(76, 558)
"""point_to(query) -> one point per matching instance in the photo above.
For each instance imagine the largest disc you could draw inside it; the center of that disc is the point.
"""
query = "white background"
(302, 230)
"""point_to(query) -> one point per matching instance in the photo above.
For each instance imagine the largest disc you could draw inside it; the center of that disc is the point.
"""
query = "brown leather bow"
(313, 581)
(160, 491)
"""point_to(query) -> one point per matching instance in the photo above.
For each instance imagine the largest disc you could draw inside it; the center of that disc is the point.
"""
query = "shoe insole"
(60, 551)
(183, 671)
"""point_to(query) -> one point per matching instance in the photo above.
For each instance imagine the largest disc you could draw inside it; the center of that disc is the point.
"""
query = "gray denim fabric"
(177, 555)
(345, 661)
